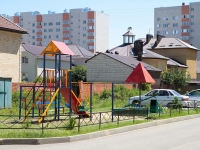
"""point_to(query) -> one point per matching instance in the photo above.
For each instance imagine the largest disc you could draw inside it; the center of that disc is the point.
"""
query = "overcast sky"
(138, 14)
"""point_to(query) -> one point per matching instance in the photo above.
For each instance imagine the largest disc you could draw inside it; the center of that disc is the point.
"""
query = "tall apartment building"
(182, 22)
(83, 27)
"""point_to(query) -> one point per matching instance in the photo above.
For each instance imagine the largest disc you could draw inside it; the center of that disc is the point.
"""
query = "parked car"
(194, 96)
(163, 96)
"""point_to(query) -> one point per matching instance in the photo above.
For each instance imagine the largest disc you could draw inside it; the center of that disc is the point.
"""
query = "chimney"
(183, 4)
(116, 52)
(148, 38)
(159, 37)
(138, 47)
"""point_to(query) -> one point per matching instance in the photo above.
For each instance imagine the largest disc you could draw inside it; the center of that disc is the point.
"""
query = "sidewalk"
(37, 141)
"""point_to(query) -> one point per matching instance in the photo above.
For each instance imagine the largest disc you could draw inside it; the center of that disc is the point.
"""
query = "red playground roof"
(140, 75)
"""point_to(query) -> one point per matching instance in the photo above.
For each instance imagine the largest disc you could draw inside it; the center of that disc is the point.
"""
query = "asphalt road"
(183, 135)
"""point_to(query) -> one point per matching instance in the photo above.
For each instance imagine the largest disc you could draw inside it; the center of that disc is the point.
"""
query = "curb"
(38, 141)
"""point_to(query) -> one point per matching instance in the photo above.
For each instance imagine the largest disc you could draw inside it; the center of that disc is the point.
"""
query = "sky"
(138, 14)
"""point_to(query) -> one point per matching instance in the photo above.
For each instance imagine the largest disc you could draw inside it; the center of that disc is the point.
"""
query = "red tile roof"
(8, 25)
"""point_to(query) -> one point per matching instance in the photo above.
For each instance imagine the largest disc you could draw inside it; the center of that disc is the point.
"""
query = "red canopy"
(140, 75)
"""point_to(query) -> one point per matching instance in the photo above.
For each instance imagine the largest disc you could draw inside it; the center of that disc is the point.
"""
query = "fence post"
(133, 116)
(179, 108)
(188, 109)
(79, 122)
(147, 114)
(159, 111)
(170, 112)
(42, 124)
(100, 121)
(118, 118)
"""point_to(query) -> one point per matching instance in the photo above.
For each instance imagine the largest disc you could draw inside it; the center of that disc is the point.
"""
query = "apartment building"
(180, 22)
(83, 27)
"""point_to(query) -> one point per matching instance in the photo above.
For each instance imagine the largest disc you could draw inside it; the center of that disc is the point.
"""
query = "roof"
(173, 43)
(128, 33)
(80, 51)
(55, 47)
(150, 43)
(7, 25)
(171, 62)
(129, 61)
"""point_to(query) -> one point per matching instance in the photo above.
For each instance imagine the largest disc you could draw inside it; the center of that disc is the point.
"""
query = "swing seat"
(82, 109)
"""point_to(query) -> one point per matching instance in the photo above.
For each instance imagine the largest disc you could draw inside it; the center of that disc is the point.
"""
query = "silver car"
(163, 96)
(194, 96)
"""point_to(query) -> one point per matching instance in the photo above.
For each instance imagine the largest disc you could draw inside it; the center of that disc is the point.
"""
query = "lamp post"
(150, 30)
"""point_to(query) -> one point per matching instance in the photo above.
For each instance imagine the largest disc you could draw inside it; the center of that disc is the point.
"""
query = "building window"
(158, 19)
(175, 24)
(185, 30)
(84, 22)
(175, 17)
(39, 36)
(158, 25)
(58, 30)
(45, 24)
(39, 23)
(50, 23)
(191, 38)
(57, 36)
(175, 31)
(24, 60)
(165, 18)
(38, 43)
(65, 35)
(57, 23)
(50, 36)
(165, 32)
(185, 37)
(192, 30)
(50, 30)
(66, 28)
(71, 16)
(44, 43)
(185, 16)
(33, 43)
(90, 41)
(185, 23)
(84, 35)
(65, 22)
(33, 31)
(33, 24)
(24, 76)
(158, 32)
(165, 25)
(90, 47)
(66, 41)
(91, 20)
(45, 36)
(33, 37)
(192, 23)
(90, 27)
(192, 16)
(39, 30)
(84, 28)
(45, 30)
(192, 9)
(84, 42)
(90, 34)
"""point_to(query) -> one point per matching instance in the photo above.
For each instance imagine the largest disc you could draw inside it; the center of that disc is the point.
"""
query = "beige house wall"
(158, 63)
(10, 54)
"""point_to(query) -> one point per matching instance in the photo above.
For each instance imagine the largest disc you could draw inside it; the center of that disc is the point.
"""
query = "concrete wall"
(10, 54)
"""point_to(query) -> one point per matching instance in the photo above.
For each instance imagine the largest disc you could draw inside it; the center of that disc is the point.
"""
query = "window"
(192, 16)
(44, 43)
(90, 47)
(191, 38)
(50, 36)
(65, 21)
(24, 60)
(57, 36)
(175, 17)
(158, 19)
(165, 18)
(45, 36)
(58, 30)
(65, 35)
(158, 32)
(185, 16)
(192, 9)
(185, 30)
(33, 31)
(192, 30)
(84, 42)
(71, 16)
(50, 30)
(33, 24)
(185, 37)
(90, 27)
(45, 24)
(165, 32)
(45, 30)
(50, 23)
(24, 76)
(66, 28)
(175, 31)
(84, 28)
(33, 37)
(175, 24)
(165, 25)
(84, 35)
(39, 36)
(84, 22)
(39, 30)
(185, 23)
(33, 43)
(39, 23)
(192, 23)
(158, 25)
(38, 43)
(90, 41)
(91, 20)
(57, 23)
(90, 34)
(66, 41)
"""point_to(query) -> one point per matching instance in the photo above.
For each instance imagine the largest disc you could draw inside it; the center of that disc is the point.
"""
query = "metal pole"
(90, 101)
(55, 85)
(44, 80)
(33, 100)
(140, 87)
(20, 104)
(70, 85)
(4, 94)
(59, 66)
(112, 101)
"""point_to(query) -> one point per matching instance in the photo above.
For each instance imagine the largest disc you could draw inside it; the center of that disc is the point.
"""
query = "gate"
(5, 93)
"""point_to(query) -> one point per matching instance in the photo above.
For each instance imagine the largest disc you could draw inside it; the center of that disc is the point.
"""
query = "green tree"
(79, 73)
(175, 77)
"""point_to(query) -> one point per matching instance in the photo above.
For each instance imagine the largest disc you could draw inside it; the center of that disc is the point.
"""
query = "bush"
(105, 94)
(146, 86)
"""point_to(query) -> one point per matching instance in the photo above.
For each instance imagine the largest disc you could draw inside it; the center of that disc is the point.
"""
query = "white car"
(194, 96)
(163, 96)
